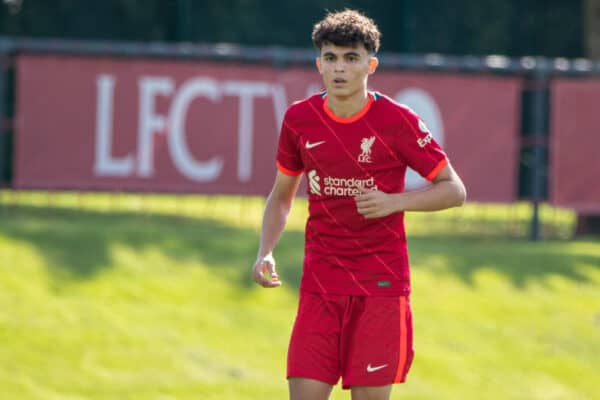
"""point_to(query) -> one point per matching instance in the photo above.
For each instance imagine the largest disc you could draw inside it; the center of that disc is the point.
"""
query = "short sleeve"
(289, 160)
(419, 149)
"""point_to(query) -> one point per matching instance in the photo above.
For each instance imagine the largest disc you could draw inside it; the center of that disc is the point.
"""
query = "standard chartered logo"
(338, 186)
(313, 182)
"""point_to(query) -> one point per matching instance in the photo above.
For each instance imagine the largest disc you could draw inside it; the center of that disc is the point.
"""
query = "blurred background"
(137, 145)
(553, 28)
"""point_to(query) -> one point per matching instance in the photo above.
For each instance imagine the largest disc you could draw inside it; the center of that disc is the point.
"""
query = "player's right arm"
(277, 209)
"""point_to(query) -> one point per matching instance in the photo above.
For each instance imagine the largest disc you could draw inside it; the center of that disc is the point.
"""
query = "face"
(345, 69)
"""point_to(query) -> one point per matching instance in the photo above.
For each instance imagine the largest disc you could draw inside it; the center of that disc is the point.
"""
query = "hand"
(374, 204)
(264, 272)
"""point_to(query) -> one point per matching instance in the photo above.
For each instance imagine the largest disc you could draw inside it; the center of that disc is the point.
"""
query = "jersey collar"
(352, 118)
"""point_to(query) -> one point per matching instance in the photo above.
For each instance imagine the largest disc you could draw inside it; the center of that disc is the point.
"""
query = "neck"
(347, 106)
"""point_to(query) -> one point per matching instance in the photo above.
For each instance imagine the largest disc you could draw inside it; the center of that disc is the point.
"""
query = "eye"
(352, 58)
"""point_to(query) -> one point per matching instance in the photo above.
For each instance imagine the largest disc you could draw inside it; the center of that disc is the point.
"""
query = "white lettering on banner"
(150, 123)
(105, 164)
(246, 91)
(280, 103)
(197, 170)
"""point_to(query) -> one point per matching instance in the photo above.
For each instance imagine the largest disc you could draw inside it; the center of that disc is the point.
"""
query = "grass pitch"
(150, 297)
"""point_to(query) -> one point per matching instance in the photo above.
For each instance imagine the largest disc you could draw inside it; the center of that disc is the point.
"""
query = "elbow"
(457, 195)
(461, 195)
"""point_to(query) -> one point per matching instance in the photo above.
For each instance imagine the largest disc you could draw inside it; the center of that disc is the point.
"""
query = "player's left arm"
(447, 190)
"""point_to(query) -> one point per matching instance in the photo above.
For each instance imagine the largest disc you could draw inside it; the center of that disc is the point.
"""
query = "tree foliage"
(512, 27)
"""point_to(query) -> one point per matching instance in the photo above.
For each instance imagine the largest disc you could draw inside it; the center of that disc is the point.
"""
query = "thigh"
(371, 392)
(377, 342)
(308, 389)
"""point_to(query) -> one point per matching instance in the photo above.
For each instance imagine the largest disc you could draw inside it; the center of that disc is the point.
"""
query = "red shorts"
(366, 340)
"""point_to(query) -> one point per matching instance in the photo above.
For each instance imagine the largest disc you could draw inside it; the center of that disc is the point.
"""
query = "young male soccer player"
(354, 318)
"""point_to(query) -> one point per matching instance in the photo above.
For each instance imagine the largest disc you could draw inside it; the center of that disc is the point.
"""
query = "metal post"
(184, 21)
(408, 25)
(539, 126)
(4, 118)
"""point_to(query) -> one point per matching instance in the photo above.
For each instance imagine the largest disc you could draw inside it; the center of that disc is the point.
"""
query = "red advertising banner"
(164, 126)
(476, 119)
(574, 144)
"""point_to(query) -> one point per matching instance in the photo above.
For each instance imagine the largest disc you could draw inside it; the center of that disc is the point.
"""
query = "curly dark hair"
(347, 28)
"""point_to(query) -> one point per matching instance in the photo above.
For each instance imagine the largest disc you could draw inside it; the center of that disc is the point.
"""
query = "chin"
(339, 92)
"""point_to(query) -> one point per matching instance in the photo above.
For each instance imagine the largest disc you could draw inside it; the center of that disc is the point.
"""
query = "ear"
(318, 64)
(373, 63)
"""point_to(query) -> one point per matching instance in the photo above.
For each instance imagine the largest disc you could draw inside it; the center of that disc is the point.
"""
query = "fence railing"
(536, 72)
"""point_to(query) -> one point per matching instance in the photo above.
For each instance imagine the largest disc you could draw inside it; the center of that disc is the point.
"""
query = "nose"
(339, 66)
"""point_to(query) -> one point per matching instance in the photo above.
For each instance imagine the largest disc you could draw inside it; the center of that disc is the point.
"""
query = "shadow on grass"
(519, 260)
(77, 245)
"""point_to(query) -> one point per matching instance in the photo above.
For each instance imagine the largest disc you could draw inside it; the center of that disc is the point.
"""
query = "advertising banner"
(574, 144)
(206, 127)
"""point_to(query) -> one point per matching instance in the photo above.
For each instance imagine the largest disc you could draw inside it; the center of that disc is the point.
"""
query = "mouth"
(339, 81)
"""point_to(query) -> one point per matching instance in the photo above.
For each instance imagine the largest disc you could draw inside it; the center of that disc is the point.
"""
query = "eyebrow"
(350, 53)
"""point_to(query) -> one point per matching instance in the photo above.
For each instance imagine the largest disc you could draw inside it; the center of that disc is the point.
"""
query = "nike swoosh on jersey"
(310, 145)
(377, 368)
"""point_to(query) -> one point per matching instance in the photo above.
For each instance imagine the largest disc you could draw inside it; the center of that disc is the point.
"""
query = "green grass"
(149, 297)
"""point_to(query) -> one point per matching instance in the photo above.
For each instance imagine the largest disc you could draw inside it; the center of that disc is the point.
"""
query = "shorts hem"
(348, 385)
(332, 381)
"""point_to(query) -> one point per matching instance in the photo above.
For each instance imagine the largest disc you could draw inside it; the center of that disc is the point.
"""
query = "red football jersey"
(346, 253)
